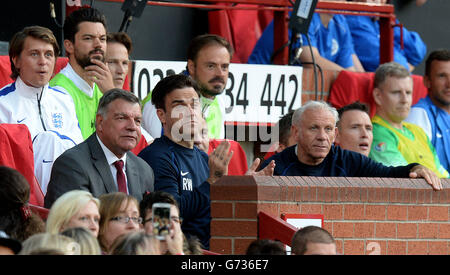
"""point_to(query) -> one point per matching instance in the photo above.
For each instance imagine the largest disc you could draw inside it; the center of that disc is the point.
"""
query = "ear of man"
(161, 115)
(98, 122)
(336, 139)
(68, 45)
(191, 67)
(295, 131)
(427, 82)
(15, 59)
(377, 96)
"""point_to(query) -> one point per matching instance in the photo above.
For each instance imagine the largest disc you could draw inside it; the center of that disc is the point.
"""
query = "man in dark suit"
(100, 163)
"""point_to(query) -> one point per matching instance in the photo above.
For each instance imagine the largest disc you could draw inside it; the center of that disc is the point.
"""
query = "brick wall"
(365, 215)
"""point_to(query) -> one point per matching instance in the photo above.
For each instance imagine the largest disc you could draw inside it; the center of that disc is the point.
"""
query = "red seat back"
(242, 28)
(16, 151)
(5, 71)
(141, 145)
(352, 86)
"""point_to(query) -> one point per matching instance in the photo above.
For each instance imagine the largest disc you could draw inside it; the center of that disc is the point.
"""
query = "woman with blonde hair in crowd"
(76, 208)
(88, 243)
(119, 214)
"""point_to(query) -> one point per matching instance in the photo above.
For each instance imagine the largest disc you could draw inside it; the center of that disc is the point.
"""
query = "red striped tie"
(121, 181)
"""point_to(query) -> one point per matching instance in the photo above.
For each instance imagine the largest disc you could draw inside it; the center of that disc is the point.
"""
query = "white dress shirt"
(111, 158)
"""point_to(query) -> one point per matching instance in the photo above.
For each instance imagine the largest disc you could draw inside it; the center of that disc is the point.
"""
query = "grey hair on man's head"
(390, 69)
(296, 118)
(112, 95)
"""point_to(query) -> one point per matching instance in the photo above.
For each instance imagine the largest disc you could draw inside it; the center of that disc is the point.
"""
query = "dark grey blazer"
(84, 167)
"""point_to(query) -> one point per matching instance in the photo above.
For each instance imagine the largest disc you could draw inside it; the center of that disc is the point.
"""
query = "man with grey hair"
(395, 141)
(314, 129)
(103, 163)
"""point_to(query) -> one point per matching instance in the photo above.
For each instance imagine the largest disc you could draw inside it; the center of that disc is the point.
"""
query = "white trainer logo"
(184, 174)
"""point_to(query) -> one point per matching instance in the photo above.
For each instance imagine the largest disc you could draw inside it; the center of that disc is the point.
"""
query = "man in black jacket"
(314, 129)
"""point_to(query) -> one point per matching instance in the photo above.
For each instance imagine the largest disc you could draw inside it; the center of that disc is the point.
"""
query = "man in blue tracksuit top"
(366, 39)
(331, 43)
(432, 112)
(314, 129)
(180, 168)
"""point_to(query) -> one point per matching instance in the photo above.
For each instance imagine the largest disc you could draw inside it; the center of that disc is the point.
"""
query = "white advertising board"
(254, 93)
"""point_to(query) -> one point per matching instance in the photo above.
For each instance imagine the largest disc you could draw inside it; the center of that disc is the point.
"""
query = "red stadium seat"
(5, 71)
(242, 28)
(16, 151)
(141, 145)
(352, 86)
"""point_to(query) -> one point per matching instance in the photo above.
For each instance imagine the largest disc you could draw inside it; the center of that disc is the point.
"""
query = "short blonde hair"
(88, 243)
(67, 206)
(390, 69)
(46, 241)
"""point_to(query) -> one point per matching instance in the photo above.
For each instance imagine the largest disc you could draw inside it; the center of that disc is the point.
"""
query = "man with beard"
(208, 61)
(432, 113)
(86, 77)
(396, 142)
